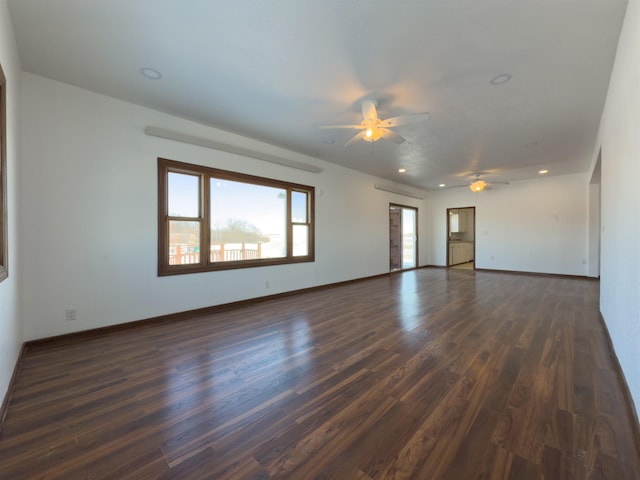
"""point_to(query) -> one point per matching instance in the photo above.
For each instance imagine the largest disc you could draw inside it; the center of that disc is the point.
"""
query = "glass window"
(184, 195)
(245, 221)
(299, 207)
(300, 223)
(184, 242)
(300, 240)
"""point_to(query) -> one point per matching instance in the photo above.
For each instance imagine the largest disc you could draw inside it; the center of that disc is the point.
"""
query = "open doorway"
(403, 237)
(595, 221)
(461, 237)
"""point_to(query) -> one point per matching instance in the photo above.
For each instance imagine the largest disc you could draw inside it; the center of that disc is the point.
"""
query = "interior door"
(403, 237)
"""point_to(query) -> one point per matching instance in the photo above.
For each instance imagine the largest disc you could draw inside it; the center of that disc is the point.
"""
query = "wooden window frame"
(166, 166)
(4, 222)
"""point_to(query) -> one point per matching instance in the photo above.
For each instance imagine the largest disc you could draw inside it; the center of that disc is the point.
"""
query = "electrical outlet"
(72, 315)
(266, 284)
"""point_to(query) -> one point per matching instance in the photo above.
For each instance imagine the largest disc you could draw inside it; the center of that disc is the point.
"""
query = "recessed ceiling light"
(442, 185)
(500, 79)
(329, 141)
(151, 73)
(542, 172)
(402, 170)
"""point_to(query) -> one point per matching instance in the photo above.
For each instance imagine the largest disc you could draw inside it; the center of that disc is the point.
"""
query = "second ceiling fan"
(478, 184)
(373, 128)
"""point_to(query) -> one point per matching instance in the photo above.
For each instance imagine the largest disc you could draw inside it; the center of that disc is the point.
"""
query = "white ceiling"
(276, 70)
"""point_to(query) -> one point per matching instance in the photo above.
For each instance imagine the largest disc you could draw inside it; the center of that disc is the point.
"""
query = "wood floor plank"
(430, 373)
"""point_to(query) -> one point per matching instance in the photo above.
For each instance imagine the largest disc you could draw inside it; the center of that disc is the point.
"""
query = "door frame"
(416, 241)
(447, 232)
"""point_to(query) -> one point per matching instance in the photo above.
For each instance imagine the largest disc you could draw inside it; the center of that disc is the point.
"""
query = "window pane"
(300, 240)
(408, 238)
(247, 221)
(184, 242)
(299, 207)
(184, 195)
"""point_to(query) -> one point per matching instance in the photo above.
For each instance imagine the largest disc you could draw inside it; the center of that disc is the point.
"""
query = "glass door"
(403, 237)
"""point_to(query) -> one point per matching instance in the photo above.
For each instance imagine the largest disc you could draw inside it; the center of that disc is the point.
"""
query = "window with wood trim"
(4, 235)
(211, 219)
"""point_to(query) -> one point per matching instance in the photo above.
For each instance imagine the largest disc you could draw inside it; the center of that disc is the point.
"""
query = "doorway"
(403, 237)
(595, 221)
(461, 238)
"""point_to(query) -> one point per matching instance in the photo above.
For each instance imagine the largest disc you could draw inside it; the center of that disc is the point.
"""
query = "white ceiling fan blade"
(405, 119)
(340, 126)
(391, 136)
(355, 138)
(369, 110)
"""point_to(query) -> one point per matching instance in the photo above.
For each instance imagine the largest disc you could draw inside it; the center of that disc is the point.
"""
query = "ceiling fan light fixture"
(372, 134)
(478, 186)
(373, 128)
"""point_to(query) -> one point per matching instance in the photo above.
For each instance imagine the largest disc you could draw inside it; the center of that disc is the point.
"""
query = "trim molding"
(198, 312)
(398, 190)
(628, 400)
(556, 275)
(517, 272)
(4, 408)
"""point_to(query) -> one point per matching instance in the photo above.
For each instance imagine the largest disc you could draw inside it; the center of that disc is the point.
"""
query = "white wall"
(620, 216)
(90, 208)
(537, 225)
(10, 327)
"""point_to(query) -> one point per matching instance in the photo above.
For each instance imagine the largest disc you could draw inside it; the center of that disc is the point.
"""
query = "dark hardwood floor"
(427, 374)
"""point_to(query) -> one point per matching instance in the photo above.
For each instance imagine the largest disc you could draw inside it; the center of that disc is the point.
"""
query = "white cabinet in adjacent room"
(460, 252)
(467, 252)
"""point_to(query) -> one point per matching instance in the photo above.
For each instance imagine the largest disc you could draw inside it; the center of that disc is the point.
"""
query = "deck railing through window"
(220, 252)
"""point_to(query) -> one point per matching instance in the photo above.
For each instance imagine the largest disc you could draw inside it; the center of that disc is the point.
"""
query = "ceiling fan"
(478, 185)
(374, 128)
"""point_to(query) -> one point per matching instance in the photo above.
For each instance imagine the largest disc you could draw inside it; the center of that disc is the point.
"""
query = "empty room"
(290, 239)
